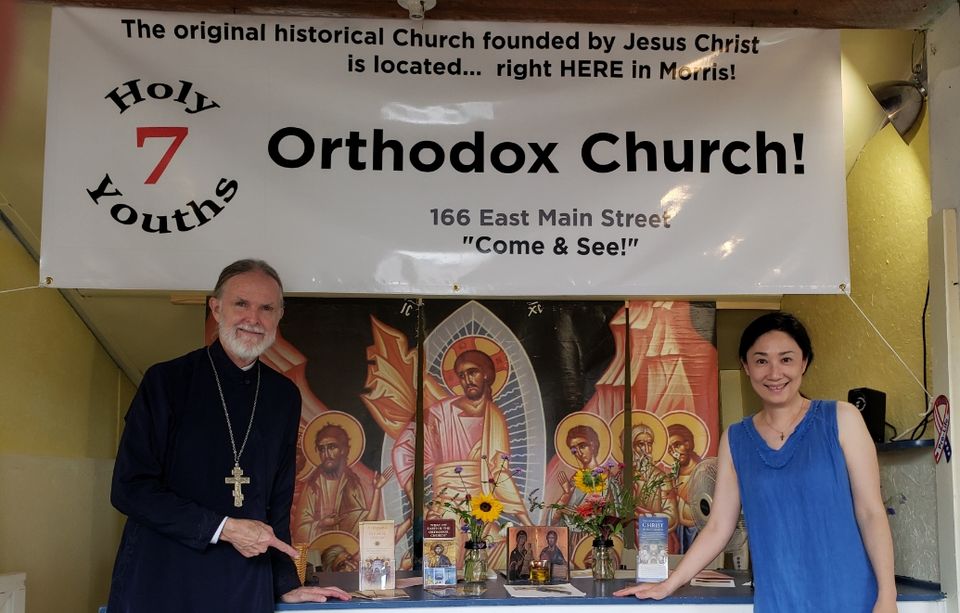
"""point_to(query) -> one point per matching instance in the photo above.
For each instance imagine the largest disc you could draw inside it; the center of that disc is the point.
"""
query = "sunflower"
(485, 507)
(589, 481)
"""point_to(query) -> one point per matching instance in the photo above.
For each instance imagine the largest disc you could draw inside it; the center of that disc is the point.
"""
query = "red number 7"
(176, 133)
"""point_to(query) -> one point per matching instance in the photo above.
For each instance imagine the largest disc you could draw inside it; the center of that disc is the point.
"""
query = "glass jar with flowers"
(603, 564)
(598, 506)
(475, 561)
(477, 512)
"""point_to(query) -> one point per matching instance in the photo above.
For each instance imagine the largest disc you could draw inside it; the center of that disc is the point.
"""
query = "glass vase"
(603, 566)
(475, 562)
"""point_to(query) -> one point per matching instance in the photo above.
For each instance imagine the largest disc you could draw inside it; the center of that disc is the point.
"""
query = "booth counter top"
(913, 598)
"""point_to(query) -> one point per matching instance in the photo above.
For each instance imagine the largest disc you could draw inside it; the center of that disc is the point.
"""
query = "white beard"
(244, 350)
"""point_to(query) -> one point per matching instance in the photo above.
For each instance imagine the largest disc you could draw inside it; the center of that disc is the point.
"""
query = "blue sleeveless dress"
(805, 546)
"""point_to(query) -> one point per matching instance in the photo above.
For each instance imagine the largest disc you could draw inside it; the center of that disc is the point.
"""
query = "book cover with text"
(651, 549)
(439, 552)
(377, 564)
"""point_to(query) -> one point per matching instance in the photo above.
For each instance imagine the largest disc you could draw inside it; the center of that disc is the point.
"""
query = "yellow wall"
(888, 200)
(60, 395)
(888, 203)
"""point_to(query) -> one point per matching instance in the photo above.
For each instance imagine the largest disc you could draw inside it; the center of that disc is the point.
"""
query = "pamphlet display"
(439, 552)
(377, 566)
(651, 549)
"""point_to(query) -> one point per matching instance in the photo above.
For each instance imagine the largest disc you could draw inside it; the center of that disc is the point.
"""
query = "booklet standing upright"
(377, 565)
(439, 552)
(651, 549)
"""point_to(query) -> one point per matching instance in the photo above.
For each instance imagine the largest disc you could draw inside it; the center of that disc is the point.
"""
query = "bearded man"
(337, 559)
(464, 442)
(680, 446)
(206, 466)
(553, 554)
(653, 488)
(334, 497)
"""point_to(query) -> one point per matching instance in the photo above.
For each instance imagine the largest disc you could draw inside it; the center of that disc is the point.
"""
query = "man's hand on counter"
(314, 594)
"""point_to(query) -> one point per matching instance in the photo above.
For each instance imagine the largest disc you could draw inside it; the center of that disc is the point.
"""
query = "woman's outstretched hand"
(655, 591)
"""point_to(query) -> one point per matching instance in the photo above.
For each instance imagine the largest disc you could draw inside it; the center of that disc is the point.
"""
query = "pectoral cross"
(236, 481)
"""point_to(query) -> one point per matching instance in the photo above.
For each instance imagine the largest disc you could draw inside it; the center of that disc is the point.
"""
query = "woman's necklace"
(791, 425)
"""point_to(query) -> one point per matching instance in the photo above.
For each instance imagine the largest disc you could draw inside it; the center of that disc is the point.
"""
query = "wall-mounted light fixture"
(417, 8)
(902, 101)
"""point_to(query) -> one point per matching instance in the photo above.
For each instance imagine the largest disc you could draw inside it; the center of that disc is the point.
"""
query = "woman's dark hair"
(783, 322)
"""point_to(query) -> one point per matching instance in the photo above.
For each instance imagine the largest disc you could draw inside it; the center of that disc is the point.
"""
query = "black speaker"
(872, 405)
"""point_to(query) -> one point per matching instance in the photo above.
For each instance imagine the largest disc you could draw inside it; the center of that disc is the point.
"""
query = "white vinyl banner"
(442, 158)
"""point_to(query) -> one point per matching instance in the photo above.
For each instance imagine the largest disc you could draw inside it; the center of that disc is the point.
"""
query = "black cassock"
(169, 481)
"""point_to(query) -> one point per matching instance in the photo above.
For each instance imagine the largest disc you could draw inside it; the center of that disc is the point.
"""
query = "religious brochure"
(652, 566)
(712, 578)
(377, 567)
(538, 554)
(557, 590)
(380, 594)
(439, 552)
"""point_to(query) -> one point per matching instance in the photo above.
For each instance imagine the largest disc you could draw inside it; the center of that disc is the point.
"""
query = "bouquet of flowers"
(476, 510)
(652, 481)
(602, 506)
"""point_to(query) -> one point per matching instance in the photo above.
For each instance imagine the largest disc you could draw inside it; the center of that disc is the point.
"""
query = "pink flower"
(597, 500)
(585, 509)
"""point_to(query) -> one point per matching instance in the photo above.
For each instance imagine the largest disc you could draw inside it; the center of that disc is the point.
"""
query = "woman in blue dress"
(806, 474)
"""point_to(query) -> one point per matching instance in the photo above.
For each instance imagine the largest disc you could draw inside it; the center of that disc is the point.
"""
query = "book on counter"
(439, 552)
(712, 578)
(652, 566)
(377, 565)
(380, 594)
